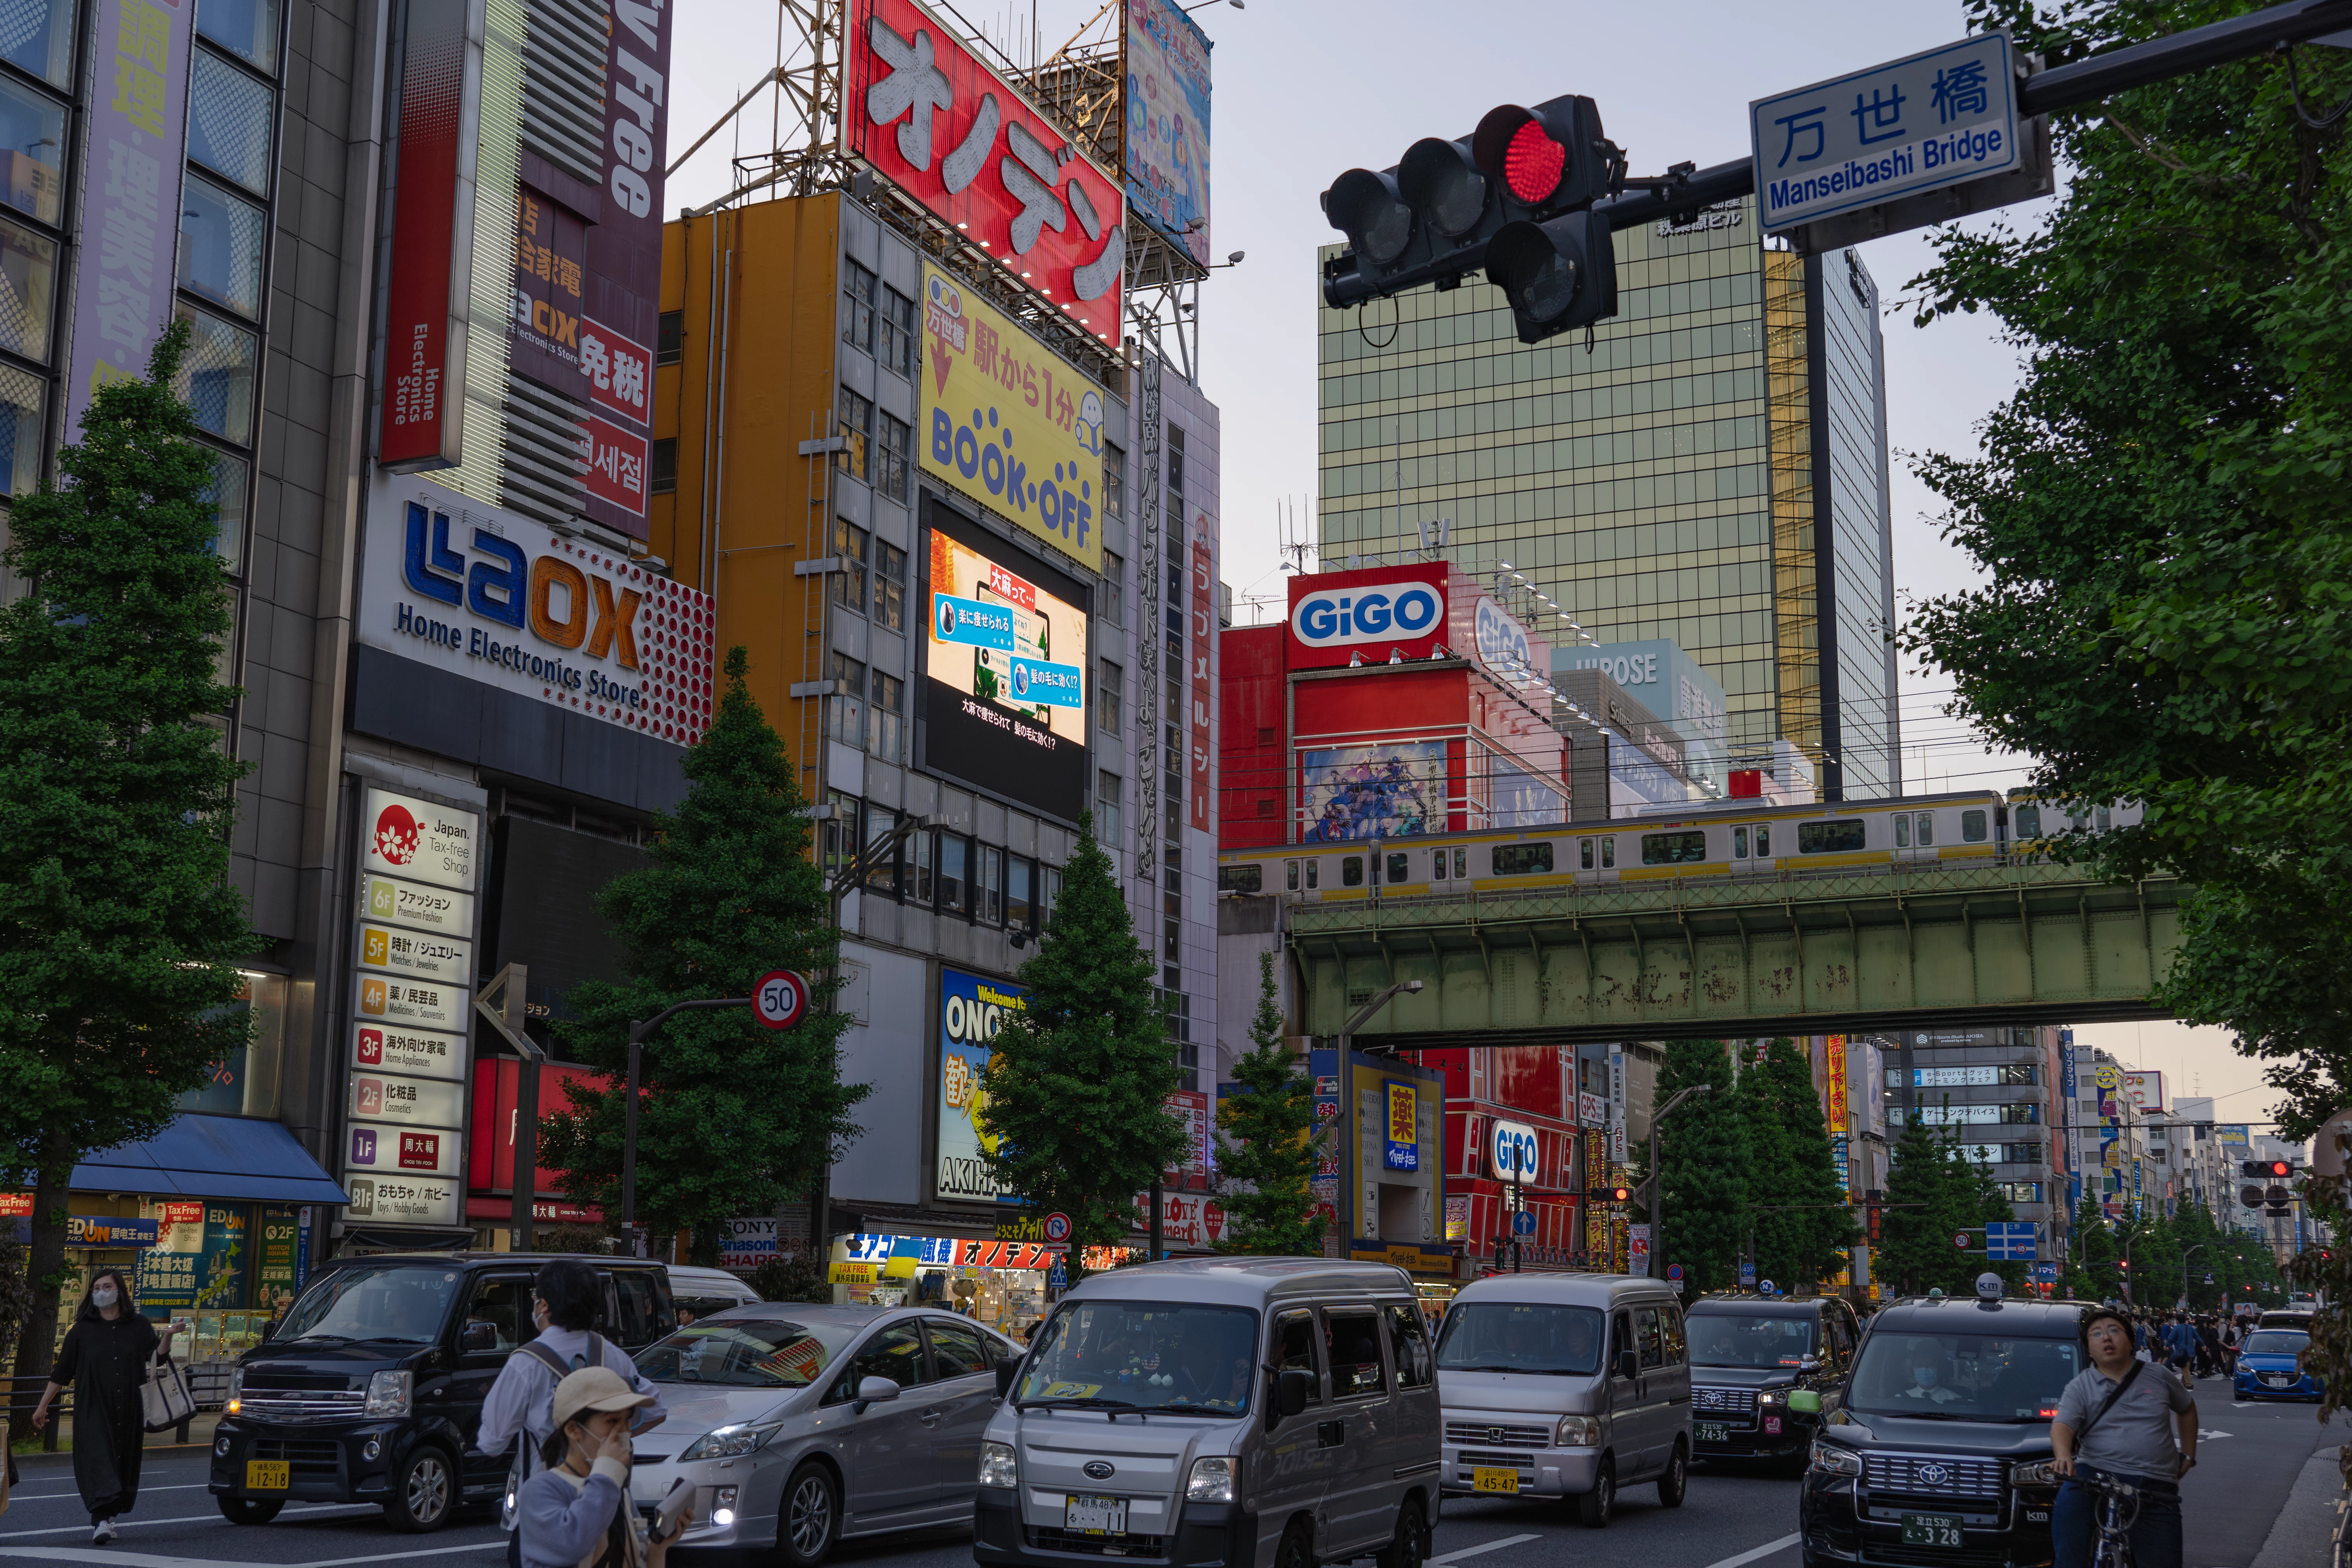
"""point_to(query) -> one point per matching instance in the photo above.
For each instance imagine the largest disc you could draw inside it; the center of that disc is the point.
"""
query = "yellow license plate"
(1494, 1478)
(267, 1474)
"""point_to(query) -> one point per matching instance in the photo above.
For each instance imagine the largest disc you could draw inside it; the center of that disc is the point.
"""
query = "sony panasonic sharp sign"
(1335, 615)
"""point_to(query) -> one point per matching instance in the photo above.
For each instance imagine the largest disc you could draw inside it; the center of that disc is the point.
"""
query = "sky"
(1306, 88)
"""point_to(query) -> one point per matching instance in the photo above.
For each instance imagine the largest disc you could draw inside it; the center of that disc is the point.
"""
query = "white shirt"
(523, 1397)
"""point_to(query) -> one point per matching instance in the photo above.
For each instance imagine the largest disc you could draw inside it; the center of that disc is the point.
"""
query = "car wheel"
(424, 1491)
(1595, 1506)
(811, 1514)
(1410, 1547)
(1296, 1549)
(1676, 1480)
(250, 1509)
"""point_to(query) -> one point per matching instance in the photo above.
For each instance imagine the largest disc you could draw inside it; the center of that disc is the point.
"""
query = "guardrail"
(208, 1380)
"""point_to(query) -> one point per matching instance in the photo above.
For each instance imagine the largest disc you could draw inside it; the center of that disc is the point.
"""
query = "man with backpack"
(566, 1300)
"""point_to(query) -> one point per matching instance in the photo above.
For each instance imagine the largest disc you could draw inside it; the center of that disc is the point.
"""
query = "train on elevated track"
(1731, 839)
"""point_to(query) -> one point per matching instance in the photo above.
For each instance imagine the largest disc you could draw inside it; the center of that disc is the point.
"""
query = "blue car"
(2269, 1366)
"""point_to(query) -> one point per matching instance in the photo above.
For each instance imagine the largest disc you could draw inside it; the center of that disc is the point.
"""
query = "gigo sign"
(1512, 1151)
(1502, 641)
(1345, 610)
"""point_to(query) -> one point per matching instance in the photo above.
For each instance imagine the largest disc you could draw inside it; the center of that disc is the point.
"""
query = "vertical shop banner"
(1191, 1109)
(548, 290)
(131, 175)
(227, 1231)
(1837, 1095)
(432, 272)
(1167, 123)
(1203, 645)
(1403, 1150)
(276, 1282)
(973, 1008)
(624, 265)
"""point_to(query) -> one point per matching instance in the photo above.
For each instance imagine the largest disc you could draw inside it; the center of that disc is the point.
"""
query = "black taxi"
(371, 1388)
(1940, 1450)
(1748, 1354)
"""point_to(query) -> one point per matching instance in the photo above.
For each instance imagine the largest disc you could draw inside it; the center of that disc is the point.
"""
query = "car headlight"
(1831, 1460)
(726, 1442)
(388, 1393)
(1769, 1396)
(235, 1392)
(1578, 1432)
(996, 1465)
(2040, 1473)
(1212, 1481)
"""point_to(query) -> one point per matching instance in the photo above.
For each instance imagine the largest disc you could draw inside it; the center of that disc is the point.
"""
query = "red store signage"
(943, 127)
(425, 334)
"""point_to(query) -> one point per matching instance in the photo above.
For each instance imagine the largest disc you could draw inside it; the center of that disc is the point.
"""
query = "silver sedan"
(798, 1426)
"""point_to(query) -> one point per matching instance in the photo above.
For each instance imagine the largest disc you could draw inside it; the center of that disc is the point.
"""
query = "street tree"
(1932, 1195)
(1705, 1167)
(119, 930)
(735, 1118)
(1267, 1153)
(2093, 1271)
(1805, 1232)
(1078, 1080)
(2161, 516)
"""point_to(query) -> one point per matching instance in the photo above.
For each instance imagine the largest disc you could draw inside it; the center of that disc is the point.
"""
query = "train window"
(1520, 859)
(1241, 879)
(1903, 830)
(1584, 854)
(1461, 862)
(1673, 848)
(1314, 875)
(2103, 819)
(1972, 826)
(1437, 863)
(2029, 821)
(1927, 829)
(1290, 875)
(1740, 844)
(1398, 871)
(1352, 870)
(1763, 841)
(1830, 838)
(1607, 854)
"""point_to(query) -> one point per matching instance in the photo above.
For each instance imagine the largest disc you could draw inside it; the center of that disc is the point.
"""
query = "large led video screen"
(1005, 687)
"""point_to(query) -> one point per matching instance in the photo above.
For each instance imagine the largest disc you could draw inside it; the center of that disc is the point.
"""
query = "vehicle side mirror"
(478, 1336)
(1007, 1371)
(874, 1391)
(1805, 1402)
(1810, 1363)
(1628, 1365)
(268, 1329)
(1292, 1390)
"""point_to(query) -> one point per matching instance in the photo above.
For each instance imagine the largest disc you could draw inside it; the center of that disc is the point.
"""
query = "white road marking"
(1475, 1551)
(305, 1512)
(1766, 1550)
(44, 1497)
(2201, 1432)
(150, 1560)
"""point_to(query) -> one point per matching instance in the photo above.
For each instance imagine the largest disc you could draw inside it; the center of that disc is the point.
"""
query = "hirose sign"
(947, 130)
(1377, 608)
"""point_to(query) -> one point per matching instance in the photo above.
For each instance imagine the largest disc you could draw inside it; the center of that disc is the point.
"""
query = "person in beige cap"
(575, 1513)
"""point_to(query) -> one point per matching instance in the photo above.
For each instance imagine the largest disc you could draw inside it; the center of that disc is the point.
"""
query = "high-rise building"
(1708, 465)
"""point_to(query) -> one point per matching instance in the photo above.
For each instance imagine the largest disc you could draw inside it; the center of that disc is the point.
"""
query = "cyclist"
(2124, 1420)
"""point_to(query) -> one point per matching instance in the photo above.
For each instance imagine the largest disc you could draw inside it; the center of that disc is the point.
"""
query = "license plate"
(1931, 1529)
(1713, 1432)
(1095, 1515)
(1494, 1478)
(2277, 1381)
(268, 1475)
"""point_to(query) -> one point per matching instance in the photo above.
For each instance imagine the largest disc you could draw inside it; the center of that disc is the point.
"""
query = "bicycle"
(2118, 1510)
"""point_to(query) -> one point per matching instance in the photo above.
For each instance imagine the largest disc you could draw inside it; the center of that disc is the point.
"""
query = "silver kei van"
(1565, 1385)
(1242, 1412)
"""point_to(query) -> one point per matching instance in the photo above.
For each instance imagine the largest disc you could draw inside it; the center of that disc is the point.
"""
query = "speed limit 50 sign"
(780, 998)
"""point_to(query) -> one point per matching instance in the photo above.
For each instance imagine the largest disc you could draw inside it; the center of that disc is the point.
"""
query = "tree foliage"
(2163, 514)
(1935, 1191)
(120, 930)
(1803, 1225)
(1703, 1166)
(1078, 1079)
(1267, 1153)
(735, 1118)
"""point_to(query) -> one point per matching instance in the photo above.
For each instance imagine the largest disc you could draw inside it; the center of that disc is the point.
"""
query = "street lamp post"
(2184, 1265)
(1355, 1021)
(1655, 1189)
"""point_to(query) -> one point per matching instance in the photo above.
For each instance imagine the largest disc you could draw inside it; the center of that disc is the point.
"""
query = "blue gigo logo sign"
(1367, 612)
(1501, 640)
(1512, 1151)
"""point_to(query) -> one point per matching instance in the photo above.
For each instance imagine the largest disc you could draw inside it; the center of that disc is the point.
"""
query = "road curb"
(2306, 1525)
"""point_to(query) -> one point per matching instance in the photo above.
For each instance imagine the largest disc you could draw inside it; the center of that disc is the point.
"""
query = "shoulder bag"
(164, 1399)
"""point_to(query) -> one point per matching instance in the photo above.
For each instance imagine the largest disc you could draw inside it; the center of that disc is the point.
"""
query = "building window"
(1175, 460)
(857, 306)
(847, 722)
(897, 332)
(890, 465)
(231, 484)
(35, 130)
(669, 338)
(890, 587)
(837, 844)
(246, 28)
(1114, 594)
(855, 458)
(1049, 893)
(665, 466)
(1114, 496)
(1108, 689)
(991, 886)
(39, 38)
(1106, 803)
(229, 116)
(889, 724)
(955, 874)
(1020, 880)
(923, 847)
(28, 274)
(849, 553)
(217, 375)
(221, 257)
(882, 872)
(22, 398)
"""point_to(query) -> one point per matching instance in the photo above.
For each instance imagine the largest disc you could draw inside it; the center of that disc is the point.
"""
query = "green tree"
(735, 1118)
(120, 932)
(1267, 1153)
(1931, 1196)
(1794, 1165)
(1705, 1166)
(2161, 517)
(1078, 1080)
(2092, 1271)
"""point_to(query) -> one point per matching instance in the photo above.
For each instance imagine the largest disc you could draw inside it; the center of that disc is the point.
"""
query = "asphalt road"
(2249, 1459)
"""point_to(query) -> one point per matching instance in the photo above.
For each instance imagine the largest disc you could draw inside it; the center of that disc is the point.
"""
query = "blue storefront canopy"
(212, 1157)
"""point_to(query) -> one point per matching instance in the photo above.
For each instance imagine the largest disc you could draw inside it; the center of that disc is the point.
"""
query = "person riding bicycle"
(2122, 1420)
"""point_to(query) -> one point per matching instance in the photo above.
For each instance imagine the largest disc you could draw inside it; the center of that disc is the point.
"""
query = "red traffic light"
(1621, 1195)
(2124, 1263)
(1553, 155)
(1532, 162)
(2281, 1168)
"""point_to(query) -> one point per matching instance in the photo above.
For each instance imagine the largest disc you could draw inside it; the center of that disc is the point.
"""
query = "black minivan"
(1748, 1354)
(1941, 1450)
(371, 1389)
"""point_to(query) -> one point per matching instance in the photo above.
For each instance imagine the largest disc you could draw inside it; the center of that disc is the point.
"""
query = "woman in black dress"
(105, 1358)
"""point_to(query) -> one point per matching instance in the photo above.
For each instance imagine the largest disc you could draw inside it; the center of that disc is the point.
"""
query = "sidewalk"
(2305, 1530)
(32, 1456)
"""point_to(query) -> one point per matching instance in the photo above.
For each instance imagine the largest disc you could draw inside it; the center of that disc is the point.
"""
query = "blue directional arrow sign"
(1523, 1224)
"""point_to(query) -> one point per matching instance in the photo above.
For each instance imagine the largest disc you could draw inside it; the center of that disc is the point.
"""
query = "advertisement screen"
(1374, 792)
(1004, 698)
(1168, 122)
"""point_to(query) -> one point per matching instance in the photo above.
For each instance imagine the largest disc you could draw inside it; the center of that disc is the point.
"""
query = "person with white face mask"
(105, 1358)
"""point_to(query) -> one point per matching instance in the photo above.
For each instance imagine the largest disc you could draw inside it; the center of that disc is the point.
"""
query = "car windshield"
(748, 1353)
(1740, 1340)
(1514, 1336)
(397, 1302)
(1144, 1355)
(1952, 1376)
(2275, 1342)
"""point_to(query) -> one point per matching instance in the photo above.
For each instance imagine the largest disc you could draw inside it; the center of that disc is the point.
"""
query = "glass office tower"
(1709, 466)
